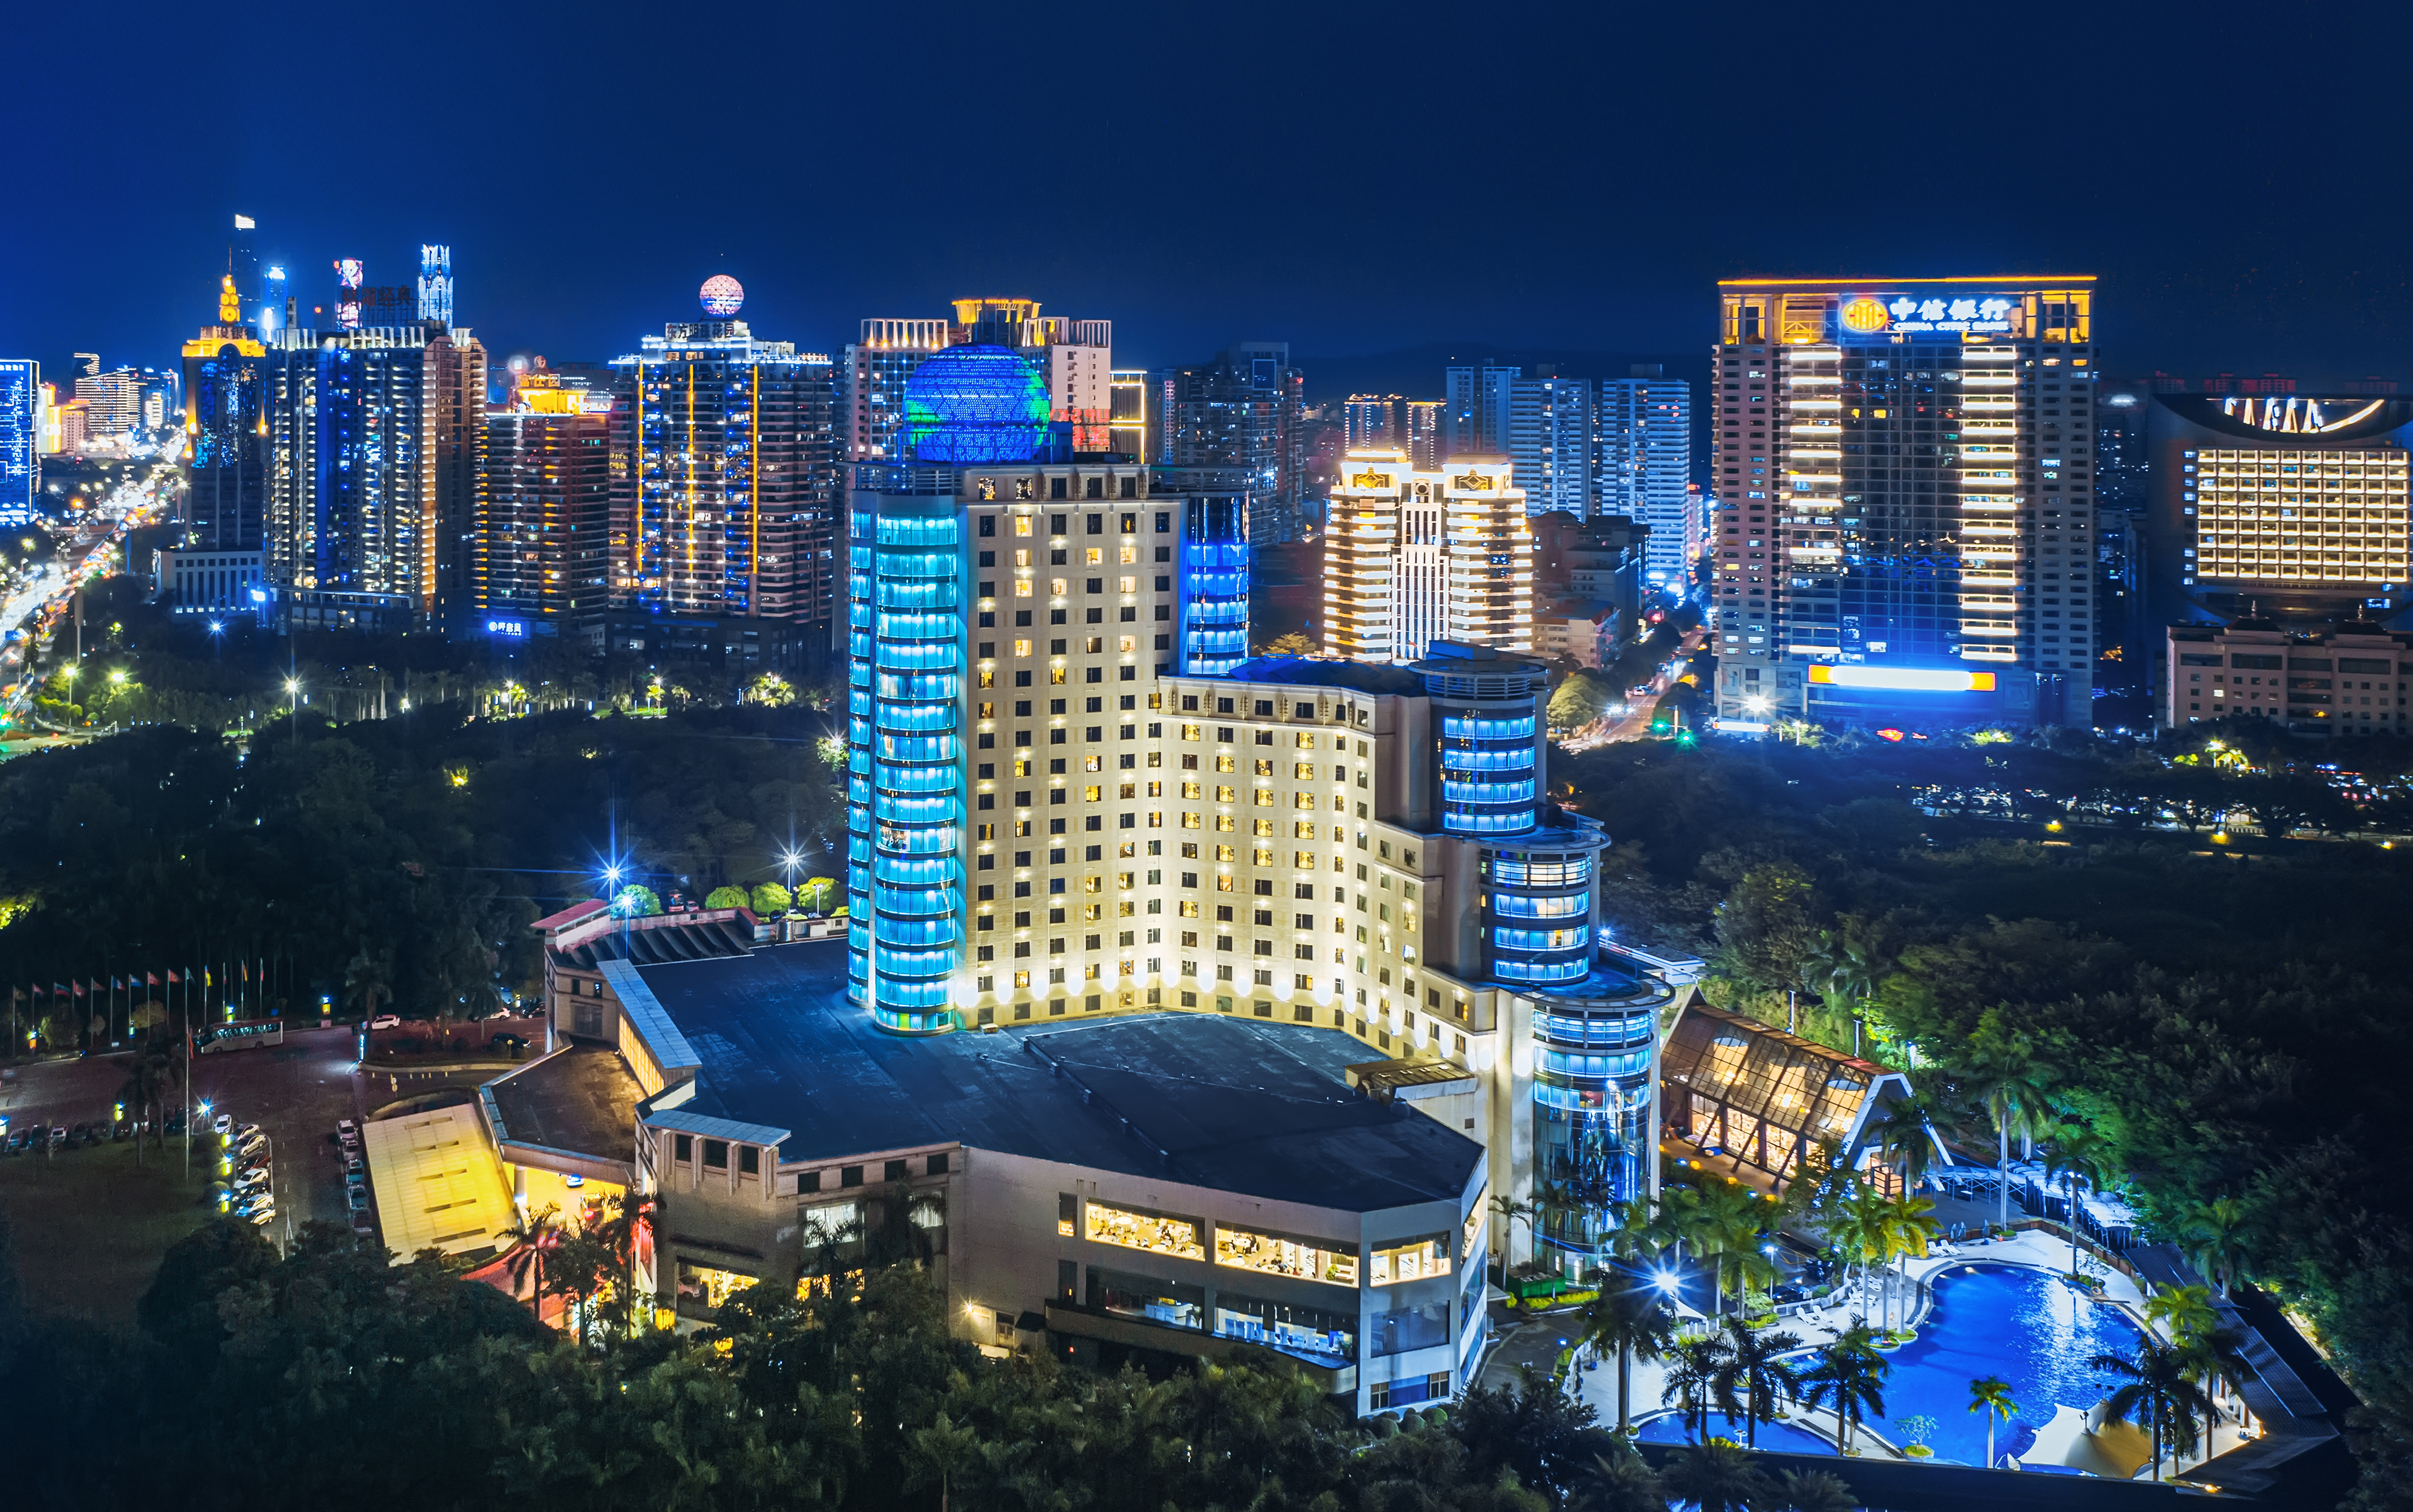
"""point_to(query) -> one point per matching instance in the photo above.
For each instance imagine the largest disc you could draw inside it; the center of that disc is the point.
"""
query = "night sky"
(1352, 179)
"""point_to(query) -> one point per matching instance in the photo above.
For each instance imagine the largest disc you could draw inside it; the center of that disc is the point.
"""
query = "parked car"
(347, 1129)
(359, 1199)
(58, 1134)
(245, 1131)
(386, 1021)
(260, 1218)
(80, 1134)
(221, 1122)
(250, 1143)
(362, 1224)
(507, 1042)
(354, 1165)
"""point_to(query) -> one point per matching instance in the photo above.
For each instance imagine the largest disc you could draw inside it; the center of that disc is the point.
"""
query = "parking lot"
(294, 1091)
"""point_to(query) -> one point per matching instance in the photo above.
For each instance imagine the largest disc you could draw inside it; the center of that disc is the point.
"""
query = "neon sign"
(1964, 316)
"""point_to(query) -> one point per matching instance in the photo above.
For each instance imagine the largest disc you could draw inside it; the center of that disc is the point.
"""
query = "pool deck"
(1818, 1326)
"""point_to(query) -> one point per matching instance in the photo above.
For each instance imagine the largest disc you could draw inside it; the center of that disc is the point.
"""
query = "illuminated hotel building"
(1075, 356)
(1057, 808)
(1488, 547)
(1905, 523)
(1385, 570)
(725, 475)
(2292, 508)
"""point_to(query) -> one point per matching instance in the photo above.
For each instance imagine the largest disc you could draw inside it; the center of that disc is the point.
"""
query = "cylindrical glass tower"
(1595, 1052)
(1215, 584)
(905, 778)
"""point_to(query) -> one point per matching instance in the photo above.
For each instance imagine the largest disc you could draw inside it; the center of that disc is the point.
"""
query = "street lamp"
(293, 708)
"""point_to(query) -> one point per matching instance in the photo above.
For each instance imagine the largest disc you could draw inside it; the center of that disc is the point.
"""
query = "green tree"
(1718, 1477)
(1292, 645)
(2156, 1383)
(1531, 1429)
(770, 898)
(727, 897)
(819, 895)
(2001, 1065)
(1631, 1322)
(2071, 1152)
(1620, 1481)
(2217, 1236)
(1754, 1381)
(1814, 1490)
(1763, 928)
(1847, 1374)
(1690, 1387)
(1991, 1395)
(636, 901)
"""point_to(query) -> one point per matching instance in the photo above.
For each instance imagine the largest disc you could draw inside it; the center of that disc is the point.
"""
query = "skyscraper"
(1645, 446)
(435, 284)
(1551, 441)
(1387, 558)
(1475, 414)
(225, 505)
(1241, 411)
(1886, 547)
(1488, 545)
(20, 435)
(541, 561)
(1076, 358)
(724, 494)
(456, 440)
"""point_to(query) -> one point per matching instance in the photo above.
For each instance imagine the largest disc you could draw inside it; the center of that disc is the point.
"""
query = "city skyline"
(555, 264)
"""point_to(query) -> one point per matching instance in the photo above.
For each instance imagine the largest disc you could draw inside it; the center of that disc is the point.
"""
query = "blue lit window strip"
(1589, 1035)
(1507, 938)
(1628, 1067)
(1510, 871)
(1459, 819)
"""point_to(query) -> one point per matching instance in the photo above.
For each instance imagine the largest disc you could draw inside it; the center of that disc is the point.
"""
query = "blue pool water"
(2030, 1329)
(1783, 1438)
(2026, 1326)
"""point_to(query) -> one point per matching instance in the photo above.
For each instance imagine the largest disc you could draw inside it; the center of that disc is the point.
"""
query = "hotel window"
(1287, 1326)
(1286, 1255)
(1170, 1304)
(1415, 1260)
(1137, 1229)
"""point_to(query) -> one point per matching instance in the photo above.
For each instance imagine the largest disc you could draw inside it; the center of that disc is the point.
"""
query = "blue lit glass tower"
(1212, 637)
(969, 405)
(1594, 1026)
(21, 424)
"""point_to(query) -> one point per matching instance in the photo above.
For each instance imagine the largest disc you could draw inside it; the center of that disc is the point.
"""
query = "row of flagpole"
(248, 974)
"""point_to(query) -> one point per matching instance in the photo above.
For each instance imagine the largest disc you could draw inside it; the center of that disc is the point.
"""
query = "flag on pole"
(116, 985)
(58, 989)
(172, 978)
(245, 968)
(151, 979)
(39, 989)
(78, 990)
(207, 980)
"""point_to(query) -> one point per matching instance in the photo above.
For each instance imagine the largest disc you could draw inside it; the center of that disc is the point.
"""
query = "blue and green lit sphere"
(976, 404)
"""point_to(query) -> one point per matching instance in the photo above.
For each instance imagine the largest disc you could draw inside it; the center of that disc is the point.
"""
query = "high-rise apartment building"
(542, 562)
(1412, 426)
(455, 412)
(1645, 469)
(112, 401)
(1474, 413)
(1904, 536)
(1244, 410)
(20, 439)
(1551, 426)
(1396, 580)
(724, 498)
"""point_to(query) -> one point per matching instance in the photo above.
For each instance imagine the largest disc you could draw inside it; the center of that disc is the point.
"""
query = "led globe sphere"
(976, 404)
(722, 296)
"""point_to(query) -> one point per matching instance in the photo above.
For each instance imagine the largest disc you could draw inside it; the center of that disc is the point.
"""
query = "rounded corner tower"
(975, 404)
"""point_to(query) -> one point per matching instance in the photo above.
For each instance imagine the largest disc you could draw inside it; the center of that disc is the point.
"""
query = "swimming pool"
(2024, 1326)
(2028, 1328)
(1783, 1438)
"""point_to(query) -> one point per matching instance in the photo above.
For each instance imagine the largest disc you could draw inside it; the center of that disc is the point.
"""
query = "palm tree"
(532, 1240)
(1691, 1381)
(1718, 1477)
(2185, 1312)
(147, 1078)
(1508, 1209)
(1729, 1221)
(1633, 1321)
(1752, 1378)
(1620, 1481)
(2218, 1358)
(2076, 1149)
(368, 980)
(1909, 1226)
(1850, 1376)
(2157, 1381)
(2214, 1234)
(2001, 1069)
(1816, 1490)
(1860, 1227)
(1991, 1395)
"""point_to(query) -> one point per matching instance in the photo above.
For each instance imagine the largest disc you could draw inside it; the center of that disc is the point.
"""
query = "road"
(38, 604)
(1635, 724)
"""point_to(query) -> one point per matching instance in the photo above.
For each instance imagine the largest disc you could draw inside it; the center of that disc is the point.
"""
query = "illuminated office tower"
(1385, 576)
(1551, 425)
(435, 284)
(542, 559)
(1242, 410)
(1646, 468)
(224, 368)
(1420, 434)
(725, 488)
(21, 438)
(1488, 546)
(454, 415)
(1886, 538)
(877, 366)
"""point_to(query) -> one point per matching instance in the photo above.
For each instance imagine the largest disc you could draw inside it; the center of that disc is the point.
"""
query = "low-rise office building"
(2354, 679)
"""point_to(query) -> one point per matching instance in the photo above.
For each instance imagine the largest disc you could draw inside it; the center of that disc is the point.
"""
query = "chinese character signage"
(1872, 315)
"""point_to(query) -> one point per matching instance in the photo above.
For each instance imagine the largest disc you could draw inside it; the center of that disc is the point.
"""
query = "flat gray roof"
(1234, 1103)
